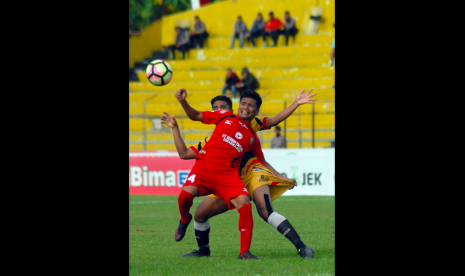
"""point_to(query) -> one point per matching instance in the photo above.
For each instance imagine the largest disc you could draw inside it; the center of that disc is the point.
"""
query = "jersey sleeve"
(213, 117)
(259, 123)
(257, 150)
(197, 147)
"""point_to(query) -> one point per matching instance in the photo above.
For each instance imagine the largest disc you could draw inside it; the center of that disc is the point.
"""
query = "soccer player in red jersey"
(216, 170)
(262, 185)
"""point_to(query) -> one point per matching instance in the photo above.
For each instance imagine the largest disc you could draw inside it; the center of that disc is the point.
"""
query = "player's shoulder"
(222, 111)
(258, 123)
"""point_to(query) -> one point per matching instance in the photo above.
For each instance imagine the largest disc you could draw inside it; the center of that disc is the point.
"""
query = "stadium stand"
(281, 71)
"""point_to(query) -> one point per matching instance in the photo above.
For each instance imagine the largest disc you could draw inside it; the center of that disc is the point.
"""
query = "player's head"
(221, 102)
(178, 29)
(286, 15)
(239, 19)
(245, 71)
(277, 130)
(249, 105)
(271, 15)
(259, 16)
(228, 72)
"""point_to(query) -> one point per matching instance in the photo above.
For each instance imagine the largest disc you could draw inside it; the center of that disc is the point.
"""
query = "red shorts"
(211, 178)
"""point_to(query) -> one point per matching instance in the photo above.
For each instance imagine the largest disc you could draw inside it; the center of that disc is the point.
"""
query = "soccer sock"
(245, 227)
(185, 200)
(284, 227)
(202, 231)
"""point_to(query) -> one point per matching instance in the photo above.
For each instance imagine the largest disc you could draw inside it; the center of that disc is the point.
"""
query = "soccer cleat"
(181, 230)
(247, 255)
(306, 252)
(198, 253)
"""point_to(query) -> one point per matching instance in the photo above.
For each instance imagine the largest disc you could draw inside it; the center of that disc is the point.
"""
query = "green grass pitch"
(153, 251)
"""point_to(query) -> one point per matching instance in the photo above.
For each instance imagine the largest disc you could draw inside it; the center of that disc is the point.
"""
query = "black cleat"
(306, 252)
(198, 253)
(181, 230)
(247, 255)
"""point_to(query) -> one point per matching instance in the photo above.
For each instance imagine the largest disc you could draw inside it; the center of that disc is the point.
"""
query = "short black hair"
(239, 17)
(278, 128)
(197, 17)
(286, 12)
(260, 14)
(222, 98)
(270, 13)
(252, 94)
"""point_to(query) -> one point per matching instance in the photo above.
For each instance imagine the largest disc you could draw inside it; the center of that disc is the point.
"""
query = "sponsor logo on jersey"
(238, 135)
(202, 151)
(251, 140)
(243, 125)
(264, 178)
(232, 142)
(228, 122)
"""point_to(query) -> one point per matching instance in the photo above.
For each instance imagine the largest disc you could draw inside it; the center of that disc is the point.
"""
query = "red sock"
(245, 227)
(185, 200)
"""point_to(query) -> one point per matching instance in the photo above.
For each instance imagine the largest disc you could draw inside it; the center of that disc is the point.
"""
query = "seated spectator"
(289, 27)
(272, 29)
(181, 42)
(230, 84)
(278, 141)
(240, 29)
(249, 82)
(257, 29)
(199, 34)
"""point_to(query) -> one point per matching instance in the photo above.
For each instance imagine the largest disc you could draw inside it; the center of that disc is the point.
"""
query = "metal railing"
(183, 131)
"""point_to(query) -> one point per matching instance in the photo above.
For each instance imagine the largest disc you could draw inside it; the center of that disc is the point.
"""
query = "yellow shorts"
(258, 175)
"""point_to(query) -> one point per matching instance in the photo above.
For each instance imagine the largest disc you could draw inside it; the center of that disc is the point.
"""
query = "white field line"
(198, 200)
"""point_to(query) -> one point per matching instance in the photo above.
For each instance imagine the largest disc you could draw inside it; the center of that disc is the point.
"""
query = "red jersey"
(273, 24)
(231, 138)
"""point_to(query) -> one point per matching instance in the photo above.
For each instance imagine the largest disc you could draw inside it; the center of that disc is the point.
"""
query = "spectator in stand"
(257, 29)
(181, 42)
(272, 28)
(199, 34)
(278, 141)
(240, 29)
(249, 82)
(289, 27)
(231, 80)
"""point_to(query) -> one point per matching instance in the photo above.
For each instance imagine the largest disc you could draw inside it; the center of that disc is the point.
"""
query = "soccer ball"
(159, 72)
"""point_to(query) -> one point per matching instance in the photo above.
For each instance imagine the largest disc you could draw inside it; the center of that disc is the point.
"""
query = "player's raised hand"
(292, 180)
(181, 94)
(168, 120)
(305, 98)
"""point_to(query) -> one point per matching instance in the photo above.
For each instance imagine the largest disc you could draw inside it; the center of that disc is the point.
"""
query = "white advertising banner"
(313, 169)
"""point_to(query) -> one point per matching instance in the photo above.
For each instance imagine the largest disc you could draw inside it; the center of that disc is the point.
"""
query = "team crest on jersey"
(239, 135)
(203, 151)
(228, 122)
(251, 140)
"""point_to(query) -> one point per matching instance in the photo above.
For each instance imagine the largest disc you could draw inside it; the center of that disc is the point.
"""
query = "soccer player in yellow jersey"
(262, 184)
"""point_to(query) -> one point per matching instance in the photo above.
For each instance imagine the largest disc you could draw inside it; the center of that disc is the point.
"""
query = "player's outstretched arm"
(276, 172)
(183, 151)
(302, 98)
(193, 114)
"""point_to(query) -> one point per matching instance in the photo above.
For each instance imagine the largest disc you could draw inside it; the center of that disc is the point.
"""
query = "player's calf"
(287, 230)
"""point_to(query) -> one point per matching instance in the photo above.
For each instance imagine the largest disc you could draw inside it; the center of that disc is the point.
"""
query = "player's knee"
(200, 218)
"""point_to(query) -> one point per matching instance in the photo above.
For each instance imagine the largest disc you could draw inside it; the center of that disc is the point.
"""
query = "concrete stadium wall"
(220, 17)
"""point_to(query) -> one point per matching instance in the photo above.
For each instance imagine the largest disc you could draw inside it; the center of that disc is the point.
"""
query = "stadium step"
(259, 73)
